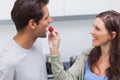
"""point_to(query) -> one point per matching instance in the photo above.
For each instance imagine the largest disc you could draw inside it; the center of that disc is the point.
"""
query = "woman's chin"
(95, 45)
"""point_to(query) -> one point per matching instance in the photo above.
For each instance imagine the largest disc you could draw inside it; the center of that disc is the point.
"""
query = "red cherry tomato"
(50, 29)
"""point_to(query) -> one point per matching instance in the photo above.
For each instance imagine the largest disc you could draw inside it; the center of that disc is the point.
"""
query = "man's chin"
(43, 36)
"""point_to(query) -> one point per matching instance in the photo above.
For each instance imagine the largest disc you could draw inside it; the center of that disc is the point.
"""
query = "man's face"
(41, 27)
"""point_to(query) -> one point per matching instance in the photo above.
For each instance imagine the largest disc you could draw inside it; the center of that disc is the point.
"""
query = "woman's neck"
(105, 50)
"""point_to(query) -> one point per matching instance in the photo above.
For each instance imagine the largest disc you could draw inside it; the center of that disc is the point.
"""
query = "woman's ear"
(32, 24)
(113, 35)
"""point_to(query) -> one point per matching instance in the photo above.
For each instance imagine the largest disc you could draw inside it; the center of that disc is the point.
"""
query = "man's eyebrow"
(47, 16)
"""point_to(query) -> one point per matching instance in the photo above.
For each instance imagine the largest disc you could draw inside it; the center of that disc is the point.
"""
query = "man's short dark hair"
(24, 10)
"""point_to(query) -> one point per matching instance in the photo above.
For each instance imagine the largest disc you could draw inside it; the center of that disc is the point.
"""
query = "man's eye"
(97, 28)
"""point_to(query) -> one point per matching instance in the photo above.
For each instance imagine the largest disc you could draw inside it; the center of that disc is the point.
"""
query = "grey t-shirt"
(17, 63)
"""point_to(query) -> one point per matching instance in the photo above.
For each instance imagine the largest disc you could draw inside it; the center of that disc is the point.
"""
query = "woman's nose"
(92, 31)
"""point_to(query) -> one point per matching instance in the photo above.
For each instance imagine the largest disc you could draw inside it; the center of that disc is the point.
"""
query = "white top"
(17, 63)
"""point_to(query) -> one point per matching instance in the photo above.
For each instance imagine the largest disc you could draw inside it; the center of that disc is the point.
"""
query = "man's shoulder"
(8, 53)
(6, 48)
(5, 59)
(7, 45)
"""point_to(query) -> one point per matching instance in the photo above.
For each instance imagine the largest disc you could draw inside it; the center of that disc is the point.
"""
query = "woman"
(98, 63)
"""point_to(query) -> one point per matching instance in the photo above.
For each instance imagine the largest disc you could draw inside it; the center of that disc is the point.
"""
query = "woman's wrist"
(54, 52)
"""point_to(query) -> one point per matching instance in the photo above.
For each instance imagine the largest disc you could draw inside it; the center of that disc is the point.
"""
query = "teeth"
(94, 39)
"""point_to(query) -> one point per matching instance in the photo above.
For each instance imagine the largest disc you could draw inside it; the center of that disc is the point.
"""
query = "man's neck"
(24, 40)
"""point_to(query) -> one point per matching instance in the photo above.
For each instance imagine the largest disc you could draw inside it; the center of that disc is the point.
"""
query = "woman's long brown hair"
(111, 20)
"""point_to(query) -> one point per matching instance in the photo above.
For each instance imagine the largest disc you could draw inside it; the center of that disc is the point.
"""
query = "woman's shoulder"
(84, 53)
(87, 51)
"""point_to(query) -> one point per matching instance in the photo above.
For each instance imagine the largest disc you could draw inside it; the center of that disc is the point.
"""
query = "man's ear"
(113, 34)
(32, 24)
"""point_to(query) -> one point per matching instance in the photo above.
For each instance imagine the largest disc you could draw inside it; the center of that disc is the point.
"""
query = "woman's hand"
(54, 41)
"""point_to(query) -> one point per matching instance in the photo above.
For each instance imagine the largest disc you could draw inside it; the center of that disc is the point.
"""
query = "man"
(22, 57)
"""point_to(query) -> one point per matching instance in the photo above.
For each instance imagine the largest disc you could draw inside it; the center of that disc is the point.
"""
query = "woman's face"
(100, 34)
